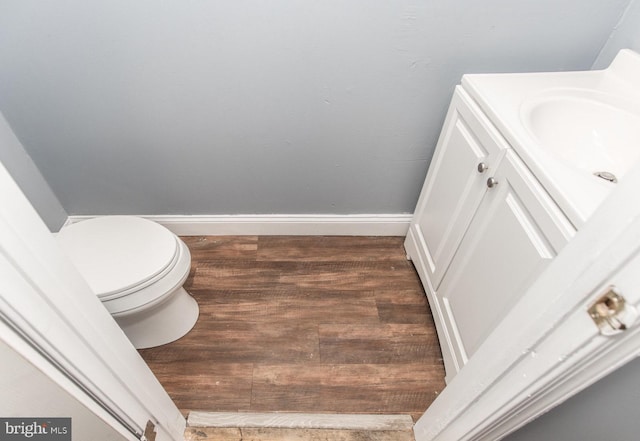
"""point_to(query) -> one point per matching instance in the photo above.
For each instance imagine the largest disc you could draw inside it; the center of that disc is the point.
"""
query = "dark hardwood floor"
(303, 324)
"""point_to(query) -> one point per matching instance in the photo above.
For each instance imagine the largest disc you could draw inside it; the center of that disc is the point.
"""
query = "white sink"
(569, 127)
(592, 131)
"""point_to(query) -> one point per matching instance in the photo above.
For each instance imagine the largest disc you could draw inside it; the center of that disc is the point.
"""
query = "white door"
(56, 322)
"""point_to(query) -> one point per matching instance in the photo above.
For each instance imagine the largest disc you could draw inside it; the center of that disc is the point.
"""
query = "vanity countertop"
(510, 99)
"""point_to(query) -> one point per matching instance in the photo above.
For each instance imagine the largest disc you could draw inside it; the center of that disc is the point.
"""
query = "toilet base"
(163, 323)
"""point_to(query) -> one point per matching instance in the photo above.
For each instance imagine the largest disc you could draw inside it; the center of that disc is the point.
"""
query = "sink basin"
(593, 131)
(576, 131)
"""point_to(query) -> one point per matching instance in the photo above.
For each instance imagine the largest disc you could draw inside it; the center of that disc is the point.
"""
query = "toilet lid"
(117, 253)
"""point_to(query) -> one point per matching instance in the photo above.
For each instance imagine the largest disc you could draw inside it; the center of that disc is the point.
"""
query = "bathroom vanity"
(503, 196)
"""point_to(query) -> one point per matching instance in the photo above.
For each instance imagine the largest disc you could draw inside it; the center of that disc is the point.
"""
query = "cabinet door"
(515, 233)
(454, 186)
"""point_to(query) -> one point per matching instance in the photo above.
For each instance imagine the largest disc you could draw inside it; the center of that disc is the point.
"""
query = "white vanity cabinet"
(483, 229)
(465, 155)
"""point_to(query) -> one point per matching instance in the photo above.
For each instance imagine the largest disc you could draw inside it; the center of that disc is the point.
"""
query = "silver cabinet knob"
(482, 167)
(492, 182)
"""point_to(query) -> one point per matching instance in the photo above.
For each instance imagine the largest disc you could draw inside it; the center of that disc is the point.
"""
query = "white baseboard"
(281, 224)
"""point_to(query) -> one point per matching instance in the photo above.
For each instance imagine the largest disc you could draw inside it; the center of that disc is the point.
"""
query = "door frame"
(50, 316)
(548, 348)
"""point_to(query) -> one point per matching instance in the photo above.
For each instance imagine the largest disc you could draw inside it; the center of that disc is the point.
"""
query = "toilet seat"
(136, 268)
(121, 255)
(148, 296)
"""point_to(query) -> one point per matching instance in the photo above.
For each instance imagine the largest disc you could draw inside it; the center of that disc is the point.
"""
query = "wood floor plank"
(221, 247)
(351, 388)
(308, 306)
(341, 276)
(242, 342)
(382, 344)
(198, 386)
(403, 306)
(330, 249)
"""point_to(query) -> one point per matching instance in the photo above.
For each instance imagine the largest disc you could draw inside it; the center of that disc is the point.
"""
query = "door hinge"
(611, 313)
(149, 432)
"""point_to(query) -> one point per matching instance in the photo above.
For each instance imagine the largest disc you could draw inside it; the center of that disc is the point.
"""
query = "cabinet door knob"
(492, 182)
(482, 167)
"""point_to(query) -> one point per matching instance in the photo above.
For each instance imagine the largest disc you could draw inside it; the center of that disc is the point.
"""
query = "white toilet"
(136, 267)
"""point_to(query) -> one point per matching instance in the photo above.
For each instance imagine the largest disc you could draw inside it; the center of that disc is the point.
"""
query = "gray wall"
(22, 169)
(625, 35)
(247, 106)
(608, 410)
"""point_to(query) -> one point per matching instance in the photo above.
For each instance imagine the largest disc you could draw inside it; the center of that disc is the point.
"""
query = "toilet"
(136, 267)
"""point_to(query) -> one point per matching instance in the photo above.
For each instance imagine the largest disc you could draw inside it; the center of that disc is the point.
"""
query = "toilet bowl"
(136, 267)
